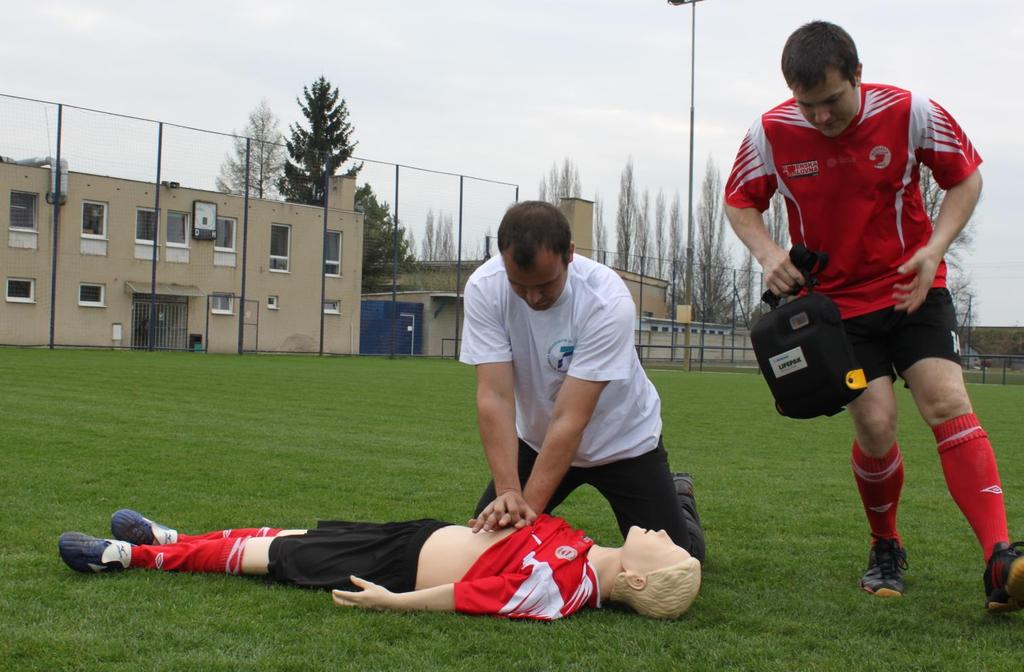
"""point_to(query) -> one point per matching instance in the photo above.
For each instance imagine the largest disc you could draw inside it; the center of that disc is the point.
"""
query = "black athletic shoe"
(83, 553)
(688, 503)
(1004, 578)
(886, 563)
(132, 526)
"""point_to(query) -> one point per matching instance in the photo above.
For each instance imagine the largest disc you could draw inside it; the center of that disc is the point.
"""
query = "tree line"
(650, 238)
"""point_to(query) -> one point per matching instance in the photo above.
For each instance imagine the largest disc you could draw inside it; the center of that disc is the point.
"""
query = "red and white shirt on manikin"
(540, 571)
(855, 196)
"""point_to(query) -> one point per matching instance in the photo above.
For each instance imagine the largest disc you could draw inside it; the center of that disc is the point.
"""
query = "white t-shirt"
(586, 334)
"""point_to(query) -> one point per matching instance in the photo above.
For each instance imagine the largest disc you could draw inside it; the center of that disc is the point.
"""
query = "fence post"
(640, 314)
(458, 270)
(156, 238)
(56, 226)
(245, 252)
(394, 272)
(323, 250)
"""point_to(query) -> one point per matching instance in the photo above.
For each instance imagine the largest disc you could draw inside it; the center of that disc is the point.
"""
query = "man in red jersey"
(845, 156)
(544, 570)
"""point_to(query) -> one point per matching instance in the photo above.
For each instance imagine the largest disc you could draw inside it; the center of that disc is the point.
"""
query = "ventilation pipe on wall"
(39, 162)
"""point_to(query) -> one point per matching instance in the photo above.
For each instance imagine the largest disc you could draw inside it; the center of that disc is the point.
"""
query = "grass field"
(206, 441)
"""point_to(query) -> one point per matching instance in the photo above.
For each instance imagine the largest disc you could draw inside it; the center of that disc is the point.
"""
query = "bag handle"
(809, 263)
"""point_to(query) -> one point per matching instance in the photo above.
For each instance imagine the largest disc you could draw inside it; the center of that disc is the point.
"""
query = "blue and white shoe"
(133, 527)
(83, 553)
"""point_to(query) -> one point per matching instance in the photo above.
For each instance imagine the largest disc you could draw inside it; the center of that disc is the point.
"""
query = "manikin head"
(658, 578)
(822, 69)
(535, 241)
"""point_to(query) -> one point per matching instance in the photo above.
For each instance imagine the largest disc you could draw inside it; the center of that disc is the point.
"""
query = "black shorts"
(385, 553)
(890, 341)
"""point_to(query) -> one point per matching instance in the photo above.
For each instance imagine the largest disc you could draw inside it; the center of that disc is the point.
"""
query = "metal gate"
(171, 331)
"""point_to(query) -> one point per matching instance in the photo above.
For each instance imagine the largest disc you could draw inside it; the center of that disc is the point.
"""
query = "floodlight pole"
(689, 198)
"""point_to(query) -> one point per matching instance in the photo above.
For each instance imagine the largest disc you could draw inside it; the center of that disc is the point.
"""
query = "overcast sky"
(502, 89)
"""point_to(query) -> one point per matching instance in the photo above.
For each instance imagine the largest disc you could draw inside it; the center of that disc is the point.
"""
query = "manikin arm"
(372, 596)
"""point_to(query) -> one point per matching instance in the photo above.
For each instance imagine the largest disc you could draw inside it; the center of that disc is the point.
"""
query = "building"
(104, 270)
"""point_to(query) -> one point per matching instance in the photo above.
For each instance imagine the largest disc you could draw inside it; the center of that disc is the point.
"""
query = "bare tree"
(712, 282)
(777, 221)
(660, 241)
(676, 251)
(266, 157)
(438, 242)
(641, 259)
(625, 216)
(561, 182)
(600, 232)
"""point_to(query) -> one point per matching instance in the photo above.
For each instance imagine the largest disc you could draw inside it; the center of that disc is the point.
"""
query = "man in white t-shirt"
(561, 397)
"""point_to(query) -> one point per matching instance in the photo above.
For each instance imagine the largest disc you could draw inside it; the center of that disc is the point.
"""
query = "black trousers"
(640, 491)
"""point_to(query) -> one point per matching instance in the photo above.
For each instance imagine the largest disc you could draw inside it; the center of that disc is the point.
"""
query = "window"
(225, 234)
(23, 210)
(21, 290)
(177, 228)
(272, 302)
(94, 219)
(332, 307)
(221, 304)
(145, 225)
(332, 254)
(90, 294)
(279, 244)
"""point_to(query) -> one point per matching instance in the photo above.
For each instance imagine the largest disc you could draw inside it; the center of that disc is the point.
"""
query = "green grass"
(207, 441)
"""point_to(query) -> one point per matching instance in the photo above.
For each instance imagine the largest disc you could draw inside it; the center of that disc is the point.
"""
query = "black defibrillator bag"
(802, 349)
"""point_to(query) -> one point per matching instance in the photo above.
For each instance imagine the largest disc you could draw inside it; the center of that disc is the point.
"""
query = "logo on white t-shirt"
(560, 354)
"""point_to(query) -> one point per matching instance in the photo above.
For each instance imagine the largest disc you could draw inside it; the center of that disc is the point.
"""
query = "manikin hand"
(922, 266)
(508, 508)
(371, 596)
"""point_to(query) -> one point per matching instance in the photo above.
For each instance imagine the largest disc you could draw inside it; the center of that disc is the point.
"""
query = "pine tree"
(328, 138)
(378, 245)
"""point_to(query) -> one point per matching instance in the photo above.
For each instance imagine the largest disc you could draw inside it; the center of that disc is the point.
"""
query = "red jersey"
(539, 571)
(855, 196)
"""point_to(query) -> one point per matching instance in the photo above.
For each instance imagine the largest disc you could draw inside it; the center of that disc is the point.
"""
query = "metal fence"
(139, 234)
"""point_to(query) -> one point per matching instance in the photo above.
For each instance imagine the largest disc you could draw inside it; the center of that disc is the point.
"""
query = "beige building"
(104, 269)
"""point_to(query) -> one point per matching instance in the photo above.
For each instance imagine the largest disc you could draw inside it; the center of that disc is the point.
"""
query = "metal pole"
(640, 313)
(458, 268)
(394, 272)
(245, 241)
(323, 251)
(156, 237)
(56, 226)
(689, 196)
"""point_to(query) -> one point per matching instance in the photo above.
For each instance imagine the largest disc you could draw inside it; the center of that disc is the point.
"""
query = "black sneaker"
(83, 553)
(886, 563)
(1004, 578)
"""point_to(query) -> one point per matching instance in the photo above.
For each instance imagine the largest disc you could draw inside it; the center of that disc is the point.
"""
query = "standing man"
(845, 156)
(561, 397)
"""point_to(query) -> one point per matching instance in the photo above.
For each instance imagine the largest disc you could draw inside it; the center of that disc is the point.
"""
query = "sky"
(503, 89)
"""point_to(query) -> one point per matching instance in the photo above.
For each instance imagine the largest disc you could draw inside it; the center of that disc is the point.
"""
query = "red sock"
(204, 555)
(880, 481)
(231, 534)
(973, 478)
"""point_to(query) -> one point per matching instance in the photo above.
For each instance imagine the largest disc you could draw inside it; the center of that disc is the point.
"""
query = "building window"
(21, 290)
(225, 234)
(92, 295)
(332, 307)
(280, 235)
(177, 228)
(221, 304)
(23, 210)
(145, 225)
(94, 219)
(272, 302)
(332, 254)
